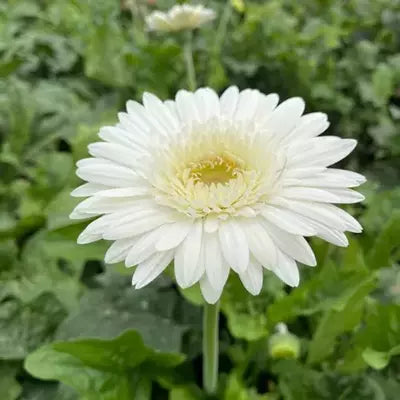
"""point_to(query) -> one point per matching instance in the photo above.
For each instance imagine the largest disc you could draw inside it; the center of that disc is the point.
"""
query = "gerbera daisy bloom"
(179, 17)
(216, 183)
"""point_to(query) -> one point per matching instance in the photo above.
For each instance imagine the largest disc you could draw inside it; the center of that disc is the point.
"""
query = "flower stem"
(188, 54)
(210, 348)
(222, 28)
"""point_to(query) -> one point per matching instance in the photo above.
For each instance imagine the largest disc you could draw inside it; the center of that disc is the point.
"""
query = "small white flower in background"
(179, 17)
(216, 184)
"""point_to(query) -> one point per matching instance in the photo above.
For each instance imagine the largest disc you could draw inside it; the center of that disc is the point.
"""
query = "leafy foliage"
(72, 328)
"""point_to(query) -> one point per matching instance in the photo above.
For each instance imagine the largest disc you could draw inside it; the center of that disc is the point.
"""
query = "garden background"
(71, 327)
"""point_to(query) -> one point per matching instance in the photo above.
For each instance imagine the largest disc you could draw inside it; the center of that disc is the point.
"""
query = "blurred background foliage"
(72, 328)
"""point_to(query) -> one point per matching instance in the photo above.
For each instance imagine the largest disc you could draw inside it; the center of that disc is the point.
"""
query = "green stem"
(210, 348)
(188, 54)
(215, 62)
(222, 28)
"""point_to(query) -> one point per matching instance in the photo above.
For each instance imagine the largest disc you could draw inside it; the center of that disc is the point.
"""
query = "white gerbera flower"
(179, 17)
(216, 184)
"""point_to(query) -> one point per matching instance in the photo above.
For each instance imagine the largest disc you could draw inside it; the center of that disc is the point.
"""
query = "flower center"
(215, 169)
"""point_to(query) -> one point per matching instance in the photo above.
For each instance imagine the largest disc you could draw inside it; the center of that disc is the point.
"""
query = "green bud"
(284, 344)
(238, 5)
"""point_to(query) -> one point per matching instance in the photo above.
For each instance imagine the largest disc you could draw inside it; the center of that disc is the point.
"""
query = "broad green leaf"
(387, 241)
(298, 382)
(379, 340)
(107, 57)
(23, 327)
(375, 359)
(235, 389)
(41, 390)
(383, 83)
(336, 322)
(247, 314)
(186, 393)
(10, 388)
(99, 369)
(329, 287)
(116, 307)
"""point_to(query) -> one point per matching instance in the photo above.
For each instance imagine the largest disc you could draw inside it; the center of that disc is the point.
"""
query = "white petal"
(309, 125)
(310, 194)
(125, 134)
(252, 278)
(333, 236)
(285, 117)
(150, 269)
(216, 267)
(266, 104)
(351, 178)
(186, 107)
(101, 205)
(287, 220)
(234, 245)
(211, 223)
(118, 251)
(294, 246)
(330, 178)
(321, 151)
(302, 172)
(136, 224)
(327, 214)
(200, 269)
(229, 101)
(113, 152)
(106, 172)
(247, 105)
(187, 256)
(124, 192)
(286, 270)
(207, 103)
(144, 247)
(94, 231)
(315, 211)
(138, 113)
(174, 235)
(346, 196)
(210, 295)
(160, 112)
(260, 243)
(88, 189)
(351, 224)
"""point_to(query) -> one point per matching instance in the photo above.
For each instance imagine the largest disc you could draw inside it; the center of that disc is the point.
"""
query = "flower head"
(179, 17)
(216, 183)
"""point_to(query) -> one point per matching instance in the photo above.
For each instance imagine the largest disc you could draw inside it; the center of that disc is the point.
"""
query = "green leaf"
(107, 58)
(23, 327)
(334, 323)
(116, 307)
(379, 340)
(10, 388)
(235, 389)
(299, 382)
(41, 390)
(328, 288)
(387, 241)
(383, 83)
(185, 393)
(247, 314)
(375, 359)
(99, 369)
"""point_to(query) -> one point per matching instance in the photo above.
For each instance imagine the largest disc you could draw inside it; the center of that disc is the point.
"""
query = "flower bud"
(238, 5)
(284, 344)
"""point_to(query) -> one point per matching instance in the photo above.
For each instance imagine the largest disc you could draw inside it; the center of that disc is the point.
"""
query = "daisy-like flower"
(179, 17)
(216, 184)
